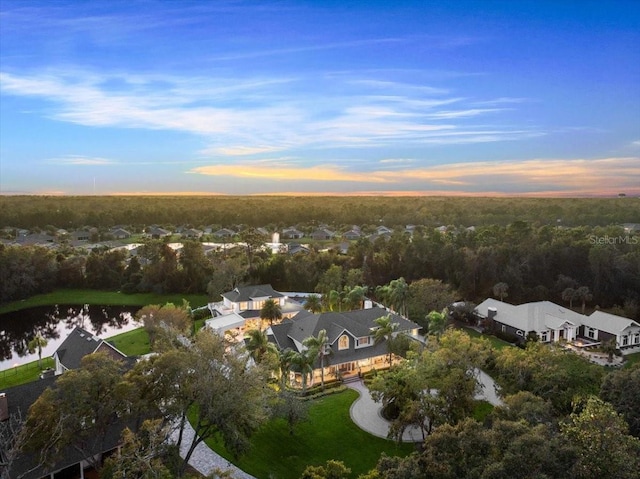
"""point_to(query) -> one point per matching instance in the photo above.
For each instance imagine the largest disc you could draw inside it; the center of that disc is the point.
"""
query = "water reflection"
(54, 323)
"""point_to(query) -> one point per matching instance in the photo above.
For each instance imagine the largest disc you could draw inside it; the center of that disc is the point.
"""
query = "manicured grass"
(328, 433)
(24, 373)
(495, 342)
(114, 298)
(632, 359)
(132, 343)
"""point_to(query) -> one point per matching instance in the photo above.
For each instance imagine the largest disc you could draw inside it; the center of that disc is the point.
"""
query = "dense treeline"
(527, 263)
(106, 211)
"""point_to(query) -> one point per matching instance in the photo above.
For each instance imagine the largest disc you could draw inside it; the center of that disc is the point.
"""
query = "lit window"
(343, 342)
(363, 341)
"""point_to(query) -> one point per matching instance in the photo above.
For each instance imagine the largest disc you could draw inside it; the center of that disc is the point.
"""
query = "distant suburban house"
(80, 235)
(192, 233)
(383, 230)
(351, 344)
(158, 233)
(77, 345)
(322, 234)
(292, 233)
(552, 323)
(263, 231)
(35, 239)
(352, 234)
(240, 308)
(225, 233)
(295, 248)
(120, 233)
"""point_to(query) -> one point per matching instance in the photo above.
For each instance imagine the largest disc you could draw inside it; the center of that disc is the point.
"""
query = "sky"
(490, 98)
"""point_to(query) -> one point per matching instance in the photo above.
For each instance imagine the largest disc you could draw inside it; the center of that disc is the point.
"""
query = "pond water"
(54, 323)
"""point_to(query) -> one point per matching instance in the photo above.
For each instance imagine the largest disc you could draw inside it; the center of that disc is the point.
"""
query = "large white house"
(553, 323)
(239, 309)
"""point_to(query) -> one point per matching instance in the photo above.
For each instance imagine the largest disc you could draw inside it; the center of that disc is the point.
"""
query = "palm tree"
(313, 303)
(437, 321)
(271, 311)
(285, 360)
(335, 300)
(355, 297)
(258, 345)
(37, 343)
(385, 332)
(500, 289)
(398, 294)
(569, 294)
(584, 295)
(304, 361)
(319, 343)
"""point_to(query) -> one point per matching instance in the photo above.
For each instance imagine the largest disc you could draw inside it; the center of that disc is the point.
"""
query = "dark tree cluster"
(106, 211)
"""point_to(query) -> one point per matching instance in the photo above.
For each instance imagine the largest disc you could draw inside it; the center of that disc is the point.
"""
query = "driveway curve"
(367, 414)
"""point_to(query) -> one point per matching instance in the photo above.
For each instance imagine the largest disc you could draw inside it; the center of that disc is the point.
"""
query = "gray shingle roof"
(77, 345)
(247, 293)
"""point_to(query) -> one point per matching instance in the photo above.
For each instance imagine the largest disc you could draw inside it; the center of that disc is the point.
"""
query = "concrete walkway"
(204, 459)
(366, 413)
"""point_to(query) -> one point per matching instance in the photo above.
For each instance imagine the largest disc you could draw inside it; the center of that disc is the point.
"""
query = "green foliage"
(621, 389)
(328, 433)
(550, 373)
(331, 470)
(603, 445)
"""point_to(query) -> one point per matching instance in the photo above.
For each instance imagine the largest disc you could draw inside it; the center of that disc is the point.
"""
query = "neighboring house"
(251, 298)
(157, 233)
(192, 233)
(352, 347)
(120, 233)
(295, 248)
(70, 463)
(264, 232)
(35, 239)
(224, 233)
(244, 303)
(352, 235)
(322, 234)
(601, 327)
(78, 344)
(553, 323)
(383, 230)
(80, 235)
(292, 233)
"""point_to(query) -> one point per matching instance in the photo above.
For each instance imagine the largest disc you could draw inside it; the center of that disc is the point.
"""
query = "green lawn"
(132, 343)
(24, 373)
(88, 296)
(328, 433)
(632, 359)
(495, 342)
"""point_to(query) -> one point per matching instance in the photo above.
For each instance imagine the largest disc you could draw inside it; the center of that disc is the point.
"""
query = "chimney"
(4, 407)
(491, 312)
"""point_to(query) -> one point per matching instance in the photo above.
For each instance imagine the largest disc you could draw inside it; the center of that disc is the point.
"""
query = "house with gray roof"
(322, 234)
(77, 345)
(352, 347)
(553, 323)
(292, 233)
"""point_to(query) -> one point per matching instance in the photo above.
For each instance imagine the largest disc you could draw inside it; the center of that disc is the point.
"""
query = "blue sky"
(429, 97)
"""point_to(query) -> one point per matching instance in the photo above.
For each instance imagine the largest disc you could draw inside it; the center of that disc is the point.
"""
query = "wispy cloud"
(576, 176)
(77, 160)
(250, 116)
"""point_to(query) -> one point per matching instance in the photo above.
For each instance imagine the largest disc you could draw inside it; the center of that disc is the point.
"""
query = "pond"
(54, 323)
